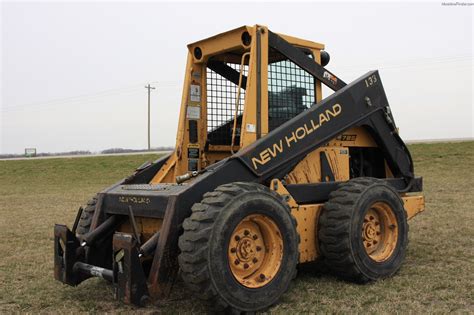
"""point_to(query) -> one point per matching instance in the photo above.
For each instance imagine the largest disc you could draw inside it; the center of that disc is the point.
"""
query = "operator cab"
(238, 89)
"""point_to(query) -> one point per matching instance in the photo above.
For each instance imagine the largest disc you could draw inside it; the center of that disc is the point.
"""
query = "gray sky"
(73, 74)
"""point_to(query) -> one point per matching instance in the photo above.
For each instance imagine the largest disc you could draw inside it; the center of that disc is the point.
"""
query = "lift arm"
(360, 103)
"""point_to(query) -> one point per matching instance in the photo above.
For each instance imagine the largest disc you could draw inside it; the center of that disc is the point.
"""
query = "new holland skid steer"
(266, 174)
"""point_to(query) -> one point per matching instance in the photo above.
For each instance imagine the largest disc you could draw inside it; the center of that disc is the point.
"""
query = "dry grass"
(437, 275)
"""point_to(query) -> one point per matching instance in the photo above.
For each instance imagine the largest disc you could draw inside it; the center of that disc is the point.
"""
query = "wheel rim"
(380, 232)
(255, 251)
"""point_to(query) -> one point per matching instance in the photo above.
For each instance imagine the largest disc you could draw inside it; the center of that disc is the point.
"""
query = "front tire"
(363, 230)
(85, 220)
(239, 248)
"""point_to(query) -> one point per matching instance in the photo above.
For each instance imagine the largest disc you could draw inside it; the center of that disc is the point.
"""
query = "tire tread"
(334, 230)
(85, 220)
(194, 242)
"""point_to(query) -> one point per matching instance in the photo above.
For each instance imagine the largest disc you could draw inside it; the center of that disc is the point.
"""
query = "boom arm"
(360, 103)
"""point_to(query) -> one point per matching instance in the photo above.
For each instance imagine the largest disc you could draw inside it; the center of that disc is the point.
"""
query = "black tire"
(85, 220)
(342, 219)
(204, 257)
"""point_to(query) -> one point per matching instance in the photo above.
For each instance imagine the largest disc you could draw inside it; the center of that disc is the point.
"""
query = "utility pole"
(149, 88)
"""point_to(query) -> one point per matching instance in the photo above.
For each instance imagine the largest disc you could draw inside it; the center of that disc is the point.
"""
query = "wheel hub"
(255, 251)
(246, 249)
(379, 231)
(371, 229)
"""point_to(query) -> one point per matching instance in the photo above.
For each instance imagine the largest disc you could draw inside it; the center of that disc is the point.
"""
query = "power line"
(66, 104)
(133, 89)
(88, 97)
(81, 97)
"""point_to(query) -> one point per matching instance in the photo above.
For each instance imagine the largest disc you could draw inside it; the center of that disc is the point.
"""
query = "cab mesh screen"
(221, 100)
(291, 90)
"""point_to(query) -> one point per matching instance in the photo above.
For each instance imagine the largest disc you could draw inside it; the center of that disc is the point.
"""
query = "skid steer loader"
(266, 174)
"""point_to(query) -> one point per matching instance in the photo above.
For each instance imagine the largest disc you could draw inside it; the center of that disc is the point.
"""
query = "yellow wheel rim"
(380, 232)
(255, 251)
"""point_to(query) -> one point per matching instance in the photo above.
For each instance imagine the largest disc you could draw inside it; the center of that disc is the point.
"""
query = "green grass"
(437, 276)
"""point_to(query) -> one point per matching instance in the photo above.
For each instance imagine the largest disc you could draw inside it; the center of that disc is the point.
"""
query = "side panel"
(307, 217)
(309, 169)
(414, 204)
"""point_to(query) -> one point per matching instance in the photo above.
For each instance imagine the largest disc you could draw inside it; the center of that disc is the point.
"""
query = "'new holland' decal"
(294, 136)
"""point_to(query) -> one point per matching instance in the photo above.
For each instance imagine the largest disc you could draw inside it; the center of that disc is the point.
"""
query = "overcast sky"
(73, 74)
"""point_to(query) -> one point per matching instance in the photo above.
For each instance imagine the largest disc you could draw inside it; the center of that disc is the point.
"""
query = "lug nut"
(246, 232)
(259, 248)
(237, 238)
(246, 265)
(254, 260)
(236, 262)
(255, 237)
(262, 276)
(233, 250)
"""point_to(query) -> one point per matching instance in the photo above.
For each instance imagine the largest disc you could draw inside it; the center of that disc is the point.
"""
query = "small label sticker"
(347, 138)
(193, 165)
(330, 77)
(196, 75)
(193, 112)
(250, 128)
(195, 93)
(193, 153)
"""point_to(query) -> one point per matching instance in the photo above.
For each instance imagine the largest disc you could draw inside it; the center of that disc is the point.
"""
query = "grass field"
(437, 276)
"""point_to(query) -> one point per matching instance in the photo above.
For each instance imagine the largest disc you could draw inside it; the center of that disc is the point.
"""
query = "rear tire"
(363, 230)
(226, 258)
(85, 220)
